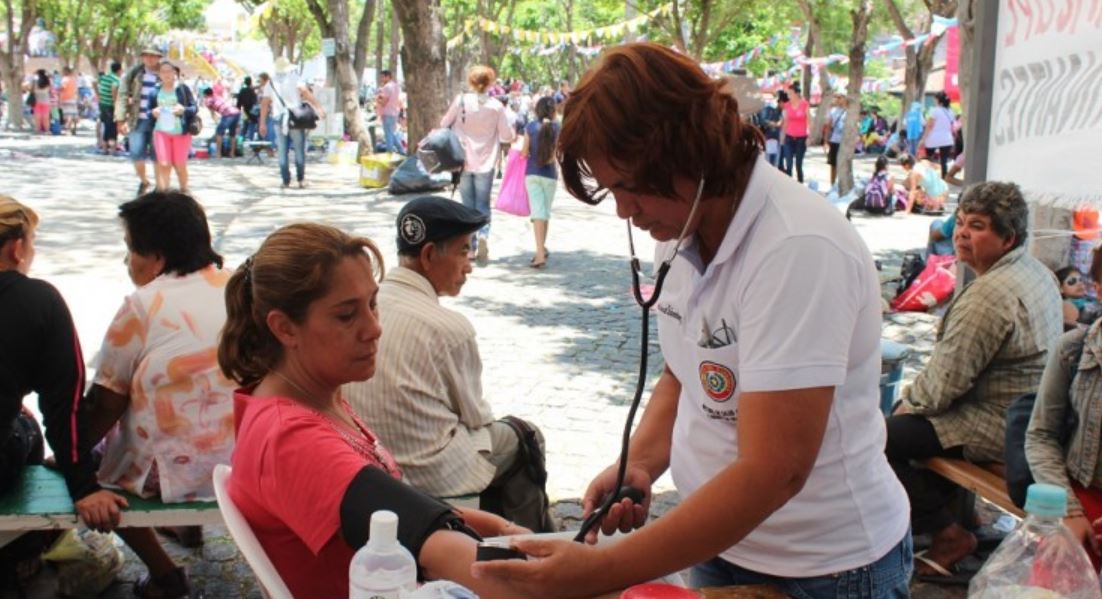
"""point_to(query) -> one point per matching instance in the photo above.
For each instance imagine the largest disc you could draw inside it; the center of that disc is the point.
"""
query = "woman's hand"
(177, 110)
(624, 515)
(100, 510)
(157, 112)
(560, 569)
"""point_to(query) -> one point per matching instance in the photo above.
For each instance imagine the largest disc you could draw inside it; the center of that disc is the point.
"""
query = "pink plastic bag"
(934, 285)
(513, 196)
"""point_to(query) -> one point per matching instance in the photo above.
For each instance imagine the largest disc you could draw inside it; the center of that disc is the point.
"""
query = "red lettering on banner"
(1036, 18)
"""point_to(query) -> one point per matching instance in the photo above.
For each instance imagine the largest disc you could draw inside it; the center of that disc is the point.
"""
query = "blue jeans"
(795, 147)
(141, 141)
(250, 130)
(887, 578)
(912, 147)
(227, 124)
(475, 189)
(296, 138)
(390, 134)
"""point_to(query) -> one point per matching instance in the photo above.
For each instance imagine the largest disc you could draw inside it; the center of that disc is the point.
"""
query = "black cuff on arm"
(80, 481)
(419, 515)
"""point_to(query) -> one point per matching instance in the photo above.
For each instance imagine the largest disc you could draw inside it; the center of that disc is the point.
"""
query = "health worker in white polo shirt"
(767, 413)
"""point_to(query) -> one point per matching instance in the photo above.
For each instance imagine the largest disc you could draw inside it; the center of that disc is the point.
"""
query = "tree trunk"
(380, 35)
(11, 58)
(363, 36)
(860, 16)
(424, 56)
(815, 135)
(805, 73)
(395, 43)
(13, 81)
(966, 13)
(348, 87)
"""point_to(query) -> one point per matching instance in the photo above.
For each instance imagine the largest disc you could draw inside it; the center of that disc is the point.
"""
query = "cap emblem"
(412, 229)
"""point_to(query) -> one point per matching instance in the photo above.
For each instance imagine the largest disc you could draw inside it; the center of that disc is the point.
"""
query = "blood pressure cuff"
(419, 515)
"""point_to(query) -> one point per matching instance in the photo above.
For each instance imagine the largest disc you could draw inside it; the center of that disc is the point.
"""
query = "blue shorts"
(228, 124)
(141, 141)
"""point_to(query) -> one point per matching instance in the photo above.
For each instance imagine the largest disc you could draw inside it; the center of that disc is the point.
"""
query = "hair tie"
(546, 120)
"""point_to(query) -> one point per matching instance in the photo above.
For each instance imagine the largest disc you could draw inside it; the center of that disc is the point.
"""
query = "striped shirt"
(150, 83)
(105, 89)
(991, 349)
(425, 401)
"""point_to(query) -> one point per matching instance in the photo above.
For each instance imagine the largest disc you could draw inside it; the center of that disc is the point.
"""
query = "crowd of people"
(336, 387)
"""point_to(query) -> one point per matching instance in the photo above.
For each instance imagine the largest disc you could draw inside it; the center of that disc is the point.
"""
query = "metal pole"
(981, 85)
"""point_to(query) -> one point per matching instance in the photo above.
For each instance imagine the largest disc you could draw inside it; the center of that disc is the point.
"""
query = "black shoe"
(142, 188)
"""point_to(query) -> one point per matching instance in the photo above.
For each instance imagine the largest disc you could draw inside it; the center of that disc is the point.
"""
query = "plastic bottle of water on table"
(1041, 558)
(382, 569)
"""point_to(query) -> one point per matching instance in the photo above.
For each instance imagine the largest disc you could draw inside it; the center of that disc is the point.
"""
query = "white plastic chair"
(271, 585)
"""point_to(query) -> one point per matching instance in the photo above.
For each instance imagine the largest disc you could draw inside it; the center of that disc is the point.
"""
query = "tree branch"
(897, 18)
(319, 15)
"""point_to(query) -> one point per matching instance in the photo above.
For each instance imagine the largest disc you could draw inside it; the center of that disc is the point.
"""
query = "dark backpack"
(876, 195)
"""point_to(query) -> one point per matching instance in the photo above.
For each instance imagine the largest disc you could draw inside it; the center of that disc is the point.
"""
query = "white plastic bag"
(87, 562)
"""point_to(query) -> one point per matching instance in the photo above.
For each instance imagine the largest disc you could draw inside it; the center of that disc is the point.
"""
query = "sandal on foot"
(170, 585)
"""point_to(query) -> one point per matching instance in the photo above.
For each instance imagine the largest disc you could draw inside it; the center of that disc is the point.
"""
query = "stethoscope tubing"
(645, 305)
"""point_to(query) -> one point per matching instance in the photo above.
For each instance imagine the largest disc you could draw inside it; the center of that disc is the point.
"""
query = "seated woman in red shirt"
(301, 320)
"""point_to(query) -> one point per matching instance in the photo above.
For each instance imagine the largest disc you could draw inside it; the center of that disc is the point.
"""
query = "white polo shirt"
(790, 301)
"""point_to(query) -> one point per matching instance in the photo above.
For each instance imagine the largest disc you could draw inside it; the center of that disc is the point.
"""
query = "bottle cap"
(384, 529)
(1047, 501)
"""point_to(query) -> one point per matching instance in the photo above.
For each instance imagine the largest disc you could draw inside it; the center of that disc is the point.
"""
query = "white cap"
(384, 529)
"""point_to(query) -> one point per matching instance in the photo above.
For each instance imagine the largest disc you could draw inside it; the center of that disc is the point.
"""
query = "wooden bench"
(41, 502)
(985, 480)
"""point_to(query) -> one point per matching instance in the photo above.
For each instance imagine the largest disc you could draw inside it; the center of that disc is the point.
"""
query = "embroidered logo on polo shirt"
(718, 381)
(412, 229)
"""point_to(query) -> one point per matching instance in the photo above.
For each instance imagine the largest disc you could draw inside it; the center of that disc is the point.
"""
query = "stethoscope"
(636, 495)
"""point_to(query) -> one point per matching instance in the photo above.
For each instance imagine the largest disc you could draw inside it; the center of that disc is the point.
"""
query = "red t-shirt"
(796, 118)
(291, 467)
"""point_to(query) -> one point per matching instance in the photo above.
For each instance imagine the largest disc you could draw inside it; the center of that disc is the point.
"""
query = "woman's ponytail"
(545, 112)
(245, 347)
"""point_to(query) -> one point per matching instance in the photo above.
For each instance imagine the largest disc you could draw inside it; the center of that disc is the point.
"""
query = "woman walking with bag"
(173, 109)
(480, 125)
(541, 176)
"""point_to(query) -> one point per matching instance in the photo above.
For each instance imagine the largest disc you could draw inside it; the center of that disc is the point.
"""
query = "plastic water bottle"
(1041, 558)
(382, 569)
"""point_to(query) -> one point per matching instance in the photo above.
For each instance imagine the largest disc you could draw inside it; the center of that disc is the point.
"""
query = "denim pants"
(390, 134)
(795, 147)
(475, 189)
(887, 578)
(141, 141)
(296, 138)
(250, 130)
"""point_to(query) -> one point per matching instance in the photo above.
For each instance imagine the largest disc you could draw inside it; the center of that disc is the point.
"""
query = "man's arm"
(974, 333)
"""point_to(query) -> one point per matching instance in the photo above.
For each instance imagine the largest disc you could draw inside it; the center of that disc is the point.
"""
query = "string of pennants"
(608, 32)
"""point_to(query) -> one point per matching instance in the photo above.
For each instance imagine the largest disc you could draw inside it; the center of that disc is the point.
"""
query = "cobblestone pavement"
(559, 345)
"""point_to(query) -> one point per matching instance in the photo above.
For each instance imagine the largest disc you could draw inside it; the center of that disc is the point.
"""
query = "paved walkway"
(559, 345)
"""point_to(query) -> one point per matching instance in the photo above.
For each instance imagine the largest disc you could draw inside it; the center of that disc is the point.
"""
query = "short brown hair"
(293, 268)
(654, 114)
(16, 220)
(481, 77)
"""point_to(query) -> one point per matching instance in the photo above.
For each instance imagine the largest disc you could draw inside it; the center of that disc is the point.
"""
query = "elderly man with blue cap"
(425, 400)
